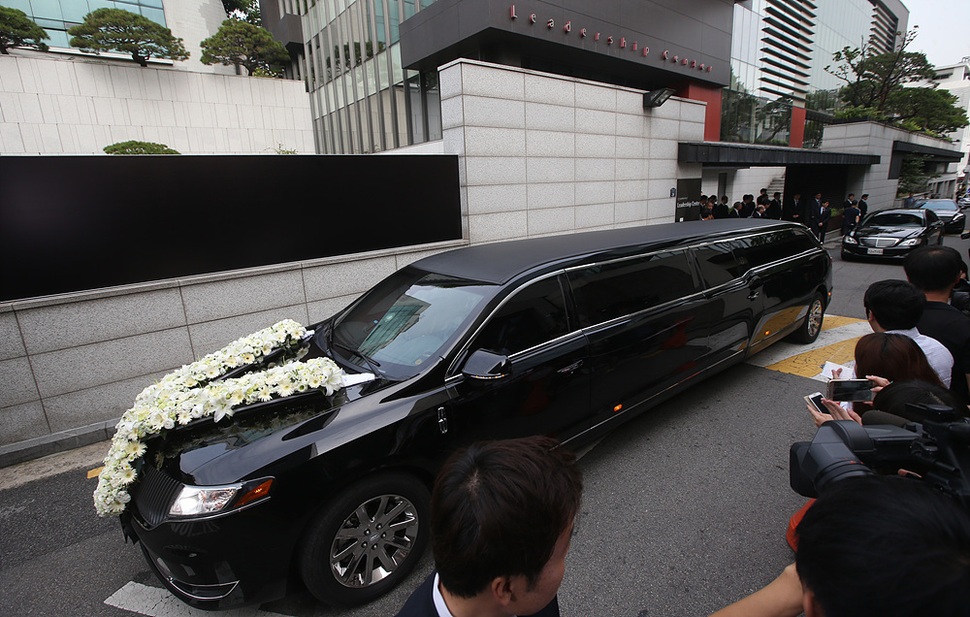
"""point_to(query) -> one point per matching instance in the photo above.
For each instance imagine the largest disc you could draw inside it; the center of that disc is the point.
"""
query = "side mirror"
(486, 365)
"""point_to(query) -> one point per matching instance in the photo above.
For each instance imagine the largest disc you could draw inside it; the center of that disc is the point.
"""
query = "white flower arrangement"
(188, 394)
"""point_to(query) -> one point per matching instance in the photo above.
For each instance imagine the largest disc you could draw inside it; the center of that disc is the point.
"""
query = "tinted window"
(611, 290)
(407, 319)
(756, 251)
(531, 317)
(895, 219)
(717, 263)
(931, 216)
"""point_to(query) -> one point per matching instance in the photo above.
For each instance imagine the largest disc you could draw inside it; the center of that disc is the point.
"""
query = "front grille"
(878, 242)
(154, 495)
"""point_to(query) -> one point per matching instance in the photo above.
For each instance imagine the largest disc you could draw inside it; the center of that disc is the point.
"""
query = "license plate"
(874, 251)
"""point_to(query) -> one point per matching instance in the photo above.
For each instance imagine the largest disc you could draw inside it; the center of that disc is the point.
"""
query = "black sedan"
(893, 234)
(949, 212)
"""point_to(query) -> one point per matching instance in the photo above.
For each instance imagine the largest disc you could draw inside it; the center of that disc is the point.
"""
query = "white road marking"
(157, 602)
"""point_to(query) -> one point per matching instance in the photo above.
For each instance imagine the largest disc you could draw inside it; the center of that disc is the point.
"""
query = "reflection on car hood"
(242, 447)
(891, 232)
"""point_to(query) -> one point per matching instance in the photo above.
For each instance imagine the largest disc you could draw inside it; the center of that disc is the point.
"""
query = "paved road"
(685, 508)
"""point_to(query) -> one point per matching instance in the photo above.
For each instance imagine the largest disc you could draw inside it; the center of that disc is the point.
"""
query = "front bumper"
(219, 563)
(889, 252)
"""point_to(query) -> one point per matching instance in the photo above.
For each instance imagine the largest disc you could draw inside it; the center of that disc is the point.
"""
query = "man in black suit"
(747, 205)
(722, 210)
(863, 206)
(814, 215)
(793, 210)
(502, 516)
(773, 211)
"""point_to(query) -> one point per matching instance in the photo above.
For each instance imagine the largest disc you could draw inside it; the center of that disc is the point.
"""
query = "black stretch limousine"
(567, 336)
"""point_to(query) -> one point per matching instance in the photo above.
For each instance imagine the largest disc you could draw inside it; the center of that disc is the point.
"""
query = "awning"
(936, 155)
(724, 154)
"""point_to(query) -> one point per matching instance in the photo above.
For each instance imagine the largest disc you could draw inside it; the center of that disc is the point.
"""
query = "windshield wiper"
(372, 364)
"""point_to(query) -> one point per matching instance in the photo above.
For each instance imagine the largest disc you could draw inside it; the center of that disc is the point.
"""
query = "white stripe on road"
(157, 602)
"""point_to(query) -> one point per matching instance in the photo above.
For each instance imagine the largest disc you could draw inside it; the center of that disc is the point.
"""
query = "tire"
(810, 328)
(336, 564)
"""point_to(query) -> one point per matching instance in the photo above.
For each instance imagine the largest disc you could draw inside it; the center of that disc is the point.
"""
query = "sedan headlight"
(196, 501)
(910, 242)
(849, 240)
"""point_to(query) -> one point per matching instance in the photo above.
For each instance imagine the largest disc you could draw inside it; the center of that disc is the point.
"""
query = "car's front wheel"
(810, 328)
(366, 540)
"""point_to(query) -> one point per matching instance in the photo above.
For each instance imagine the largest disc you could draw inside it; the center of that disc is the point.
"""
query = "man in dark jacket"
(773, 210)
(501, 519)
(863, 206)
(794, 210)
(934, 270)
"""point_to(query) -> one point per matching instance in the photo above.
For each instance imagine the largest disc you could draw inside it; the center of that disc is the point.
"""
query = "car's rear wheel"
(366, 540)
(810, 328)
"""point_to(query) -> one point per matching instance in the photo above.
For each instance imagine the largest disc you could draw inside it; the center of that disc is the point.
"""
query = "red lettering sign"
(551, 24)
(513, 12)
(568, 27)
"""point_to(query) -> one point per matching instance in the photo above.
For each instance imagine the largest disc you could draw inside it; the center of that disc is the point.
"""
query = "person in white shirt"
(895, 307)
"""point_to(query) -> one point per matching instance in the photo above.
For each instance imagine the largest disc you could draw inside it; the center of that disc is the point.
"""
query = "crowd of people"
(503, 512)
(814, 213)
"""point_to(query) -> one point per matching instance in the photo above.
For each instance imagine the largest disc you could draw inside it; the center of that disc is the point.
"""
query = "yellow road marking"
(808, 364)
(94, 473)
(834, 321)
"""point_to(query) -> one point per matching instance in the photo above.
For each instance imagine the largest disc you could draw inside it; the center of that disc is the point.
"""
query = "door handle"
(753, 295)
(572, 367)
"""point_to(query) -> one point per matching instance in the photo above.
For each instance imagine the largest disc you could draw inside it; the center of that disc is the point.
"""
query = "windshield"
(407, 319)
(941, 205)
(895, 219)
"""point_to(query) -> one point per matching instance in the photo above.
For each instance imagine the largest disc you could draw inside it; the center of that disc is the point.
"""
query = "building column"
(796, 136)
(710, 95)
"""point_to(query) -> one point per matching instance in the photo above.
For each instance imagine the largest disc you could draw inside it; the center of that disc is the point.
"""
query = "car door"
(731, 307)
(641, 316)
(546, 381)
(785, 281)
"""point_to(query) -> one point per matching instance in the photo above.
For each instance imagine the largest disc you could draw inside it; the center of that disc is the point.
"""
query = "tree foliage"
(240, 43)
(126, 32)
(914, 177)
(18, 30)
(876, 88)
(138, 147)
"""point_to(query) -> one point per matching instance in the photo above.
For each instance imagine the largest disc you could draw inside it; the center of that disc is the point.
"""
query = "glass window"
(611, 290)
(717, 263)
(530, 317)
(762, 249)
(46, 9)
(405, 320)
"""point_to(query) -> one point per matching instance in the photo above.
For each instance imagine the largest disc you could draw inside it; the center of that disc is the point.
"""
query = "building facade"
(955, 79)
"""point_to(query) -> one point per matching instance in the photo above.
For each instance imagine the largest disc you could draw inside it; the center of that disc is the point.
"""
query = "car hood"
(258, 440)
(888, 232)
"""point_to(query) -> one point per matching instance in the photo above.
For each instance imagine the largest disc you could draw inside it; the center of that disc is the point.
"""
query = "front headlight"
(209, 500)
(910, 242)
(849, 240)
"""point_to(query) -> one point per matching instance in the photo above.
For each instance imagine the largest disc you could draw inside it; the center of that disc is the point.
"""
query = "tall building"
(955, 79)
(372, 73)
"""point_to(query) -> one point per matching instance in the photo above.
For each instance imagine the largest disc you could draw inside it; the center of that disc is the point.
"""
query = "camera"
(936, 450)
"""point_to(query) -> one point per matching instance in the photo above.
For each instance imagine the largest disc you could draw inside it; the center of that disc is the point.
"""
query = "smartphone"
(850, 390)
(815, 400)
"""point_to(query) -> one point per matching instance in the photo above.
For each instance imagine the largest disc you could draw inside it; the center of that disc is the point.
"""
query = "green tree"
(240, 43)
(138, 147)
(18, 30)
(876, 88)
(913, 175)
(126, 32)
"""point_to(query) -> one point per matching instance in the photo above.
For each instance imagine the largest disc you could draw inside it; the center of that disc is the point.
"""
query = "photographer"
(873, 546)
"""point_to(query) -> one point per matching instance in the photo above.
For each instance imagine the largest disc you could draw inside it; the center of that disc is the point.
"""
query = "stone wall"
(53, 104)
(543, 154)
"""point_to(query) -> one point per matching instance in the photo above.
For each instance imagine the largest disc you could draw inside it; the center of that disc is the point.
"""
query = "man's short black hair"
(933, 268)
(896, 305)
(864, 195)
(887, 547)
(498, 508)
